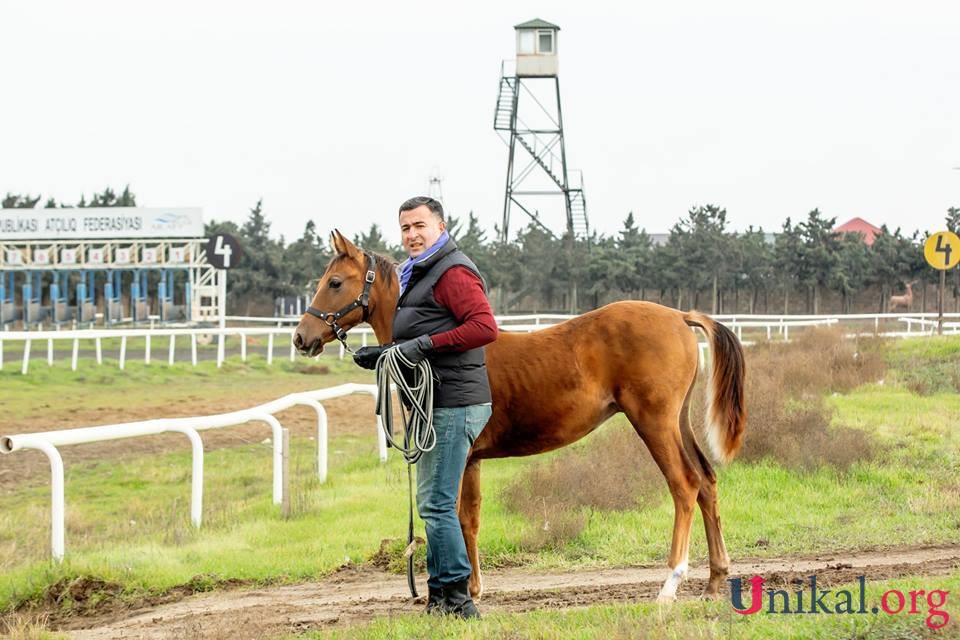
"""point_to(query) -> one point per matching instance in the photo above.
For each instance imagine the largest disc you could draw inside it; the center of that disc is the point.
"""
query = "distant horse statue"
(554, 386)
(905, 301)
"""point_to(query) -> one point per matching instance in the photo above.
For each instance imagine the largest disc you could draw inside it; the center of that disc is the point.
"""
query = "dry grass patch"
(26, 627)
(613, 472)
(788, 419)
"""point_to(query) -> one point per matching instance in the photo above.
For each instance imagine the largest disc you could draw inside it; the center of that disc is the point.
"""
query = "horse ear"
(336, 242)
(342, 246)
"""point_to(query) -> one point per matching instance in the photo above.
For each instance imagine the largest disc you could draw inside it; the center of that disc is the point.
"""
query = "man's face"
(419, 229)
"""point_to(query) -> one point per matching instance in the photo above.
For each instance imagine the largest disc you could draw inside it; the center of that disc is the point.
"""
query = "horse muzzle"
(306, 346)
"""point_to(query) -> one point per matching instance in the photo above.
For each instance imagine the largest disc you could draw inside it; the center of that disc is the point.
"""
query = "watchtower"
(528, 109)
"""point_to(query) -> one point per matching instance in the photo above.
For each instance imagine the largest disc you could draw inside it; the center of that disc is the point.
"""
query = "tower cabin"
(537, 49)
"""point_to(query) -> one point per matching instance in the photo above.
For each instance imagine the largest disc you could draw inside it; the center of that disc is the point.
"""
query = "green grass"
(685, 620)
(926, 366)
(128, 520)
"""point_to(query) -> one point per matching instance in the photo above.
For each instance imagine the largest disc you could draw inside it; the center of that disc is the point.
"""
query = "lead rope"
(419, 435)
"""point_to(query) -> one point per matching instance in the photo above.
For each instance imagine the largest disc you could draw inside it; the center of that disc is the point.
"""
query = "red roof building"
(861, 226)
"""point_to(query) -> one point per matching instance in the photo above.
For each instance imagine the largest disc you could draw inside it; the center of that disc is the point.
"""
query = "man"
(443, 315)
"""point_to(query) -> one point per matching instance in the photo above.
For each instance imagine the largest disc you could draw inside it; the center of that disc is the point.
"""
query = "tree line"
(805, 267)
(802, 267)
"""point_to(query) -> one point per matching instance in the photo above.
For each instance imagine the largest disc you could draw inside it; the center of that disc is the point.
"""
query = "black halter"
(362, 301)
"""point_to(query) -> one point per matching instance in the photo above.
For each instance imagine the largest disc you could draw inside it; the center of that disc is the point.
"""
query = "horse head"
(351, 290)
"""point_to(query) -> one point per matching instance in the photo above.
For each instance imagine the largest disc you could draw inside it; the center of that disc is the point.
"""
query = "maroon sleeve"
(461, 291)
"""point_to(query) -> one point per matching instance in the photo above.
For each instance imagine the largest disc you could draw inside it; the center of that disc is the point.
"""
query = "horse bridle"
(362, 301)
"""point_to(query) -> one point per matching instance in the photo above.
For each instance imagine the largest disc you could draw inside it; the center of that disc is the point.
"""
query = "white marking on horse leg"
(668, 593)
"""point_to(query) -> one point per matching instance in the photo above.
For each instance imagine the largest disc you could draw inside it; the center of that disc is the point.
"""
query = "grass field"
(128, 524)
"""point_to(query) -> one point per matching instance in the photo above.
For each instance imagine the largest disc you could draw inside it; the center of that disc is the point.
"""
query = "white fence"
(48, 441)
(195, 337)
(779, 325)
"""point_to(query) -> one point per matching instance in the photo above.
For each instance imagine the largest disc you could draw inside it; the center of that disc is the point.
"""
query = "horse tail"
(726, 413)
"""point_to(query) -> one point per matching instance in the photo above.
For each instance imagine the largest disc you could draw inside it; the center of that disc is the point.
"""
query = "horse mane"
(386, 267)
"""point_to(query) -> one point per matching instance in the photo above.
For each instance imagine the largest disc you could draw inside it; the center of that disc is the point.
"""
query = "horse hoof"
(476, 591)
(664, 599)
(707, 595)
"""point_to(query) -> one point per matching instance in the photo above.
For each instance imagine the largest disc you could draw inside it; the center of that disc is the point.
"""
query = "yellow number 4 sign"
(942, 250)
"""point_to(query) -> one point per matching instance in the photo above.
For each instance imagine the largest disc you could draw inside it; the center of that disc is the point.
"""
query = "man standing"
(443, 315)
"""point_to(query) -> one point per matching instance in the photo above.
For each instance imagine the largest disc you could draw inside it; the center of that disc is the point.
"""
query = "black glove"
(415, 350)
(367, 357)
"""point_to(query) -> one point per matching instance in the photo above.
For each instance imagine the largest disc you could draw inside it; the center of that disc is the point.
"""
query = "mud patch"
(80, 593)
(92, 598)
(358, 594)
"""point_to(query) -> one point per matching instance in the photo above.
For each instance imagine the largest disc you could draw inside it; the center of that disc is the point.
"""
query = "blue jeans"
(439, 472)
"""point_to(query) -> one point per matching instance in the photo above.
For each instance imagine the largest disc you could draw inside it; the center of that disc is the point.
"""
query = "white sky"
(340, 111)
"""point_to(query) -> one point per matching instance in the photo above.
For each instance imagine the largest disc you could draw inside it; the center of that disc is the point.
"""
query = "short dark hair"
(432, 204)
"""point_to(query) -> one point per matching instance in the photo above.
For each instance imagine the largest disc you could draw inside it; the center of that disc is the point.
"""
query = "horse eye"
(335, 284)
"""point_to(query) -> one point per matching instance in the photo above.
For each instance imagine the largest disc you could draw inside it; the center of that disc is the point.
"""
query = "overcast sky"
(337, 112)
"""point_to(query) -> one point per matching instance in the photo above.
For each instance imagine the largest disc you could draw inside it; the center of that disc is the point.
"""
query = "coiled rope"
(416, 403)
(415, 385)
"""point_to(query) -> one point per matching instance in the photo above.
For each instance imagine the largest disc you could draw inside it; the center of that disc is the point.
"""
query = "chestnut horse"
(554, 386)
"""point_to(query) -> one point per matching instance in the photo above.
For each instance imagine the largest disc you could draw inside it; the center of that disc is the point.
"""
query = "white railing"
(277, 320)
(779, 324)
(773, 321)
(195, 336)
(48, 441)
(924, 323)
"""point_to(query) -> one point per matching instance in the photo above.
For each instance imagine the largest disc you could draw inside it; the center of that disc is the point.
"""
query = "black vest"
(460, 378)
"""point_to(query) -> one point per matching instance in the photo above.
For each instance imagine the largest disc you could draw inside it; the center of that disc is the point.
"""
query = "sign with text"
(100, 222)
(942, 250)
(41, 256)
(13, 257)
(223, 251)
(178, 254)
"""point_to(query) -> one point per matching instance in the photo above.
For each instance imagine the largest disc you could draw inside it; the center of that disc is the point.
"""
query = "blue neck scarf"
(405, 270)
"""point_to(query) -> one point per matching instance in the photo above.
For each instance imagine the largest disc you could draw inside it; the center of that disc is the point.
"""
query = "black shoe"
(434, 601)
(457, 600)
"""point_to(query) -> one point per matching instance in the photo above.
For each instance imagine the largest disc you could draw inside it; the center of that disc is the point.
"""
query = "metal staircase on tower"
(526, 118)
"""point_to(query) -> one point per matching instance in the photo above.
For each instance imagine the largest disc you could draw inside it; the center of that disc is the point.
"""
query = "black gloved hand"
(367, 357)
(415, 350)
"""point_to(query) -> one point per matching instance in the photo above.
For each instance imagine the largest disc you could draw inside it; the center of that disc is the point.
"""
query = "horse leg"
(719, 560)
(661, 433)
(707, 498)
(469, 512)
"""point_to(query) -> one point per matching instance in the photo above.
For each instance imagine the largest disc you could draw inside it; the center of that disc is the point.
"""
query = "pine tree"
(372, 240)
(18, 201)
(818, 254)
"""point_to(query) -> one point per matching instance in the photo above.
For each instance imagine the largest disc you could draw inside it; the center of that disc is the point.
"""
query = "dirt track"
(358, 594)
